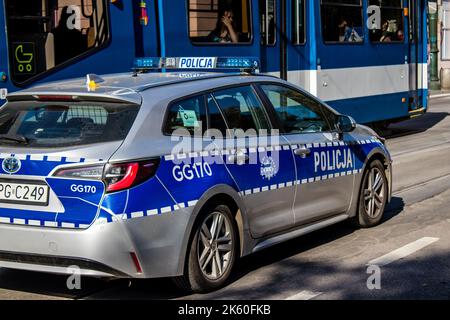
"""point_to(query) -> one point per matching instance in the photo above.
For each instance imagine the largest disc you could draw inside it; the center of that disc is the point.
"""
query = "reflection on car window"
(219, 21)
(216, 120)
(42, 125)
(296, 112)
(242, 109)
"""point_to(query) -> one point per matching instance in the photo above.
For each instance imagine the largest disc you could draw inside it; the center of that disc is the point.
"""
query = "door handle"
(302, 152)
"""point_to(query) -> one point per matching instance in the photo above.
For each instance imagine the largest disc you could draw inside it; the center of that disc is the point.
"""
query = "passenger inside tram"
(220, 22)
(348, 32)
(225, 30)
(69, 41)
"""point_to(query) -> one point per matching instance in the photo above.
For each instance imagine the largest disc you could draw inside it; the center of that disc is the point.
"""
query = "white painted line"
(403, 251)
(304, 295)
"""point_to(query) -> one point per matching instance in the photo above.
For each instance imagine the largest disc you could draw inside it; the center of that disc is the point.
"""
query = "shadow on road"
(395, 207)
(55, 285)
(414, 125)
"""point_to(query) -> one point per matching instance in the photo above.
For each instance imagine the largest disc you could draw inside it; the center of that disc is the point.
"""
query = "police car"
(177, 173)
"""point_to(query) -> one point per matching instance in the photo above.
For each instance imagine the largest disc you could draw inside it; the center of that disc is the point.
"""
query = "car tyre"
(212, 253)
(373, 196)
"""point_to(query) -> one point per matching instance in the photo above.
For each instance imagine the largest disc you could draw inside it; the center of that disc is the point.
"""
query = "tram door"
(413, 51)
(269, 22)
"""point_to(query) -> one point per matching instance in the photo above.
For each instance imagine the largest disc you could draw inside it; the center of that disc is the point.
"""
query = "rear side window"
(33, 124)
(242, 109)
(189, 114)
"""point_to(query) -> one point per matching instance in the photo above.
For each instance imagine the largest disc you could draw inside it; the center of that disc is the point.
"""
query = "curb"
(441, 95)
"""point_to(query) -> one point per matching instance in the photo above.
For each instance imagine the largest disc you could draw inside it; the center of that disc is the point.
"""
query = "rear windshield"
(41, 125)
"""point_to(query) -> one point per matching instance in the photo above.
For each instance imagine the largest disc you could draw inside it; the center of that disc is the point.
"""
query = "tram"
(365, 58)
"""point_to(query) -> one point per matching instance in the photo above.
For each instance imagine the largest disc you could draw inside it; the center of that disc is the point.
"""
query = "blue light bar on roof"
(197, 63)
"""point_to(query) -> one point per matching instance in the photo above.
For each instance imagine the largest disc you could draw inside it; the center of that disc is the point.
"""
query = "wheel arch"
(385, 159)
(376, 154)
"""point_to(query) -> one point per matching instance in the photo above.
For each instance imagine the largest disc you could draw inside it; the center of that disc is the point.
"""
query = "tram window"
(390, 28)
(342, 21)
(219, 21)
(298, 21)
(267, 16)
(45, 34)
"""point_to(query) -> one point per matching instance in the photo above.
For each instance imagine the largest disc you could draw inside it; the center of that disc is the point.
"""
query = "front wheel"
(372, 196)
(212, 252)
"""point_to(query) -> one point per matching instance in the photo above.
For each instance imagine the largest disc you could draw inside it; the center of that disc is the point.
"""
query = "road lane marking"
(304, 295)
(403, 252)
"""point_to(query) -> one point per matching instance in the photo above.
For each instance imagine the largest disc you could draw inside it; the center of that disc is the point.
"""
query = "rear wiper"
(14, 138)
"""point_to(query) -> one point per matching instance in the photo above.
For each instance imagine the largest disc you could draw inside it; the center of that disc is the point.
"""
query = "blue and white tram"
(366, 58)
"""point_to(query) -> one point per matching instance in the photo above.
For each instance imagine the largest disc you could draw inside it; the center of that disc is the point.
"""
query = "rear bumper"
(100, 251)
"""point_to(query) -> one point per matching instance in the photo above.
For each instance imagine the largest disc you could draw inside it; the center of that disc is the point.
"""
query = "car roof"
(124, 86)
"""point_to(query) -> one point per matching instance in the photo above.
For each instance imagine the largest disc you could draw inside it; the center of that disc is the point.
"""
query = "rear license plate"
(24, 192)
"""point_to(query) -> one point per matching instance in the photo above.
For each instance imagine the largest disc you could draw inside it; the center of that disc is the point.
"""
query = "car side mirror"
(346, 123)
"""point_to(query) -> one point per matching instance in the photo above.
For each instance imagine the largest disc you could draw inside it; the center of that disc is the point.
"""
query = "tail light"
(59, 98)
(116, 176)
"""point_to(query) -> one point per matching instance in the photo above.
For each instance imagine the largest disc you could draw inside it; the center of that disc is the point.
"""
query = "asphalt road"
(411, 248)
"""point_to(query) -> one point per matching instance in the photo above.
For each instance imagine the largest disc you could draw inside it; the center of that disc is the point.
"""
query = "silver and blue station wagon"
(176, 174)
